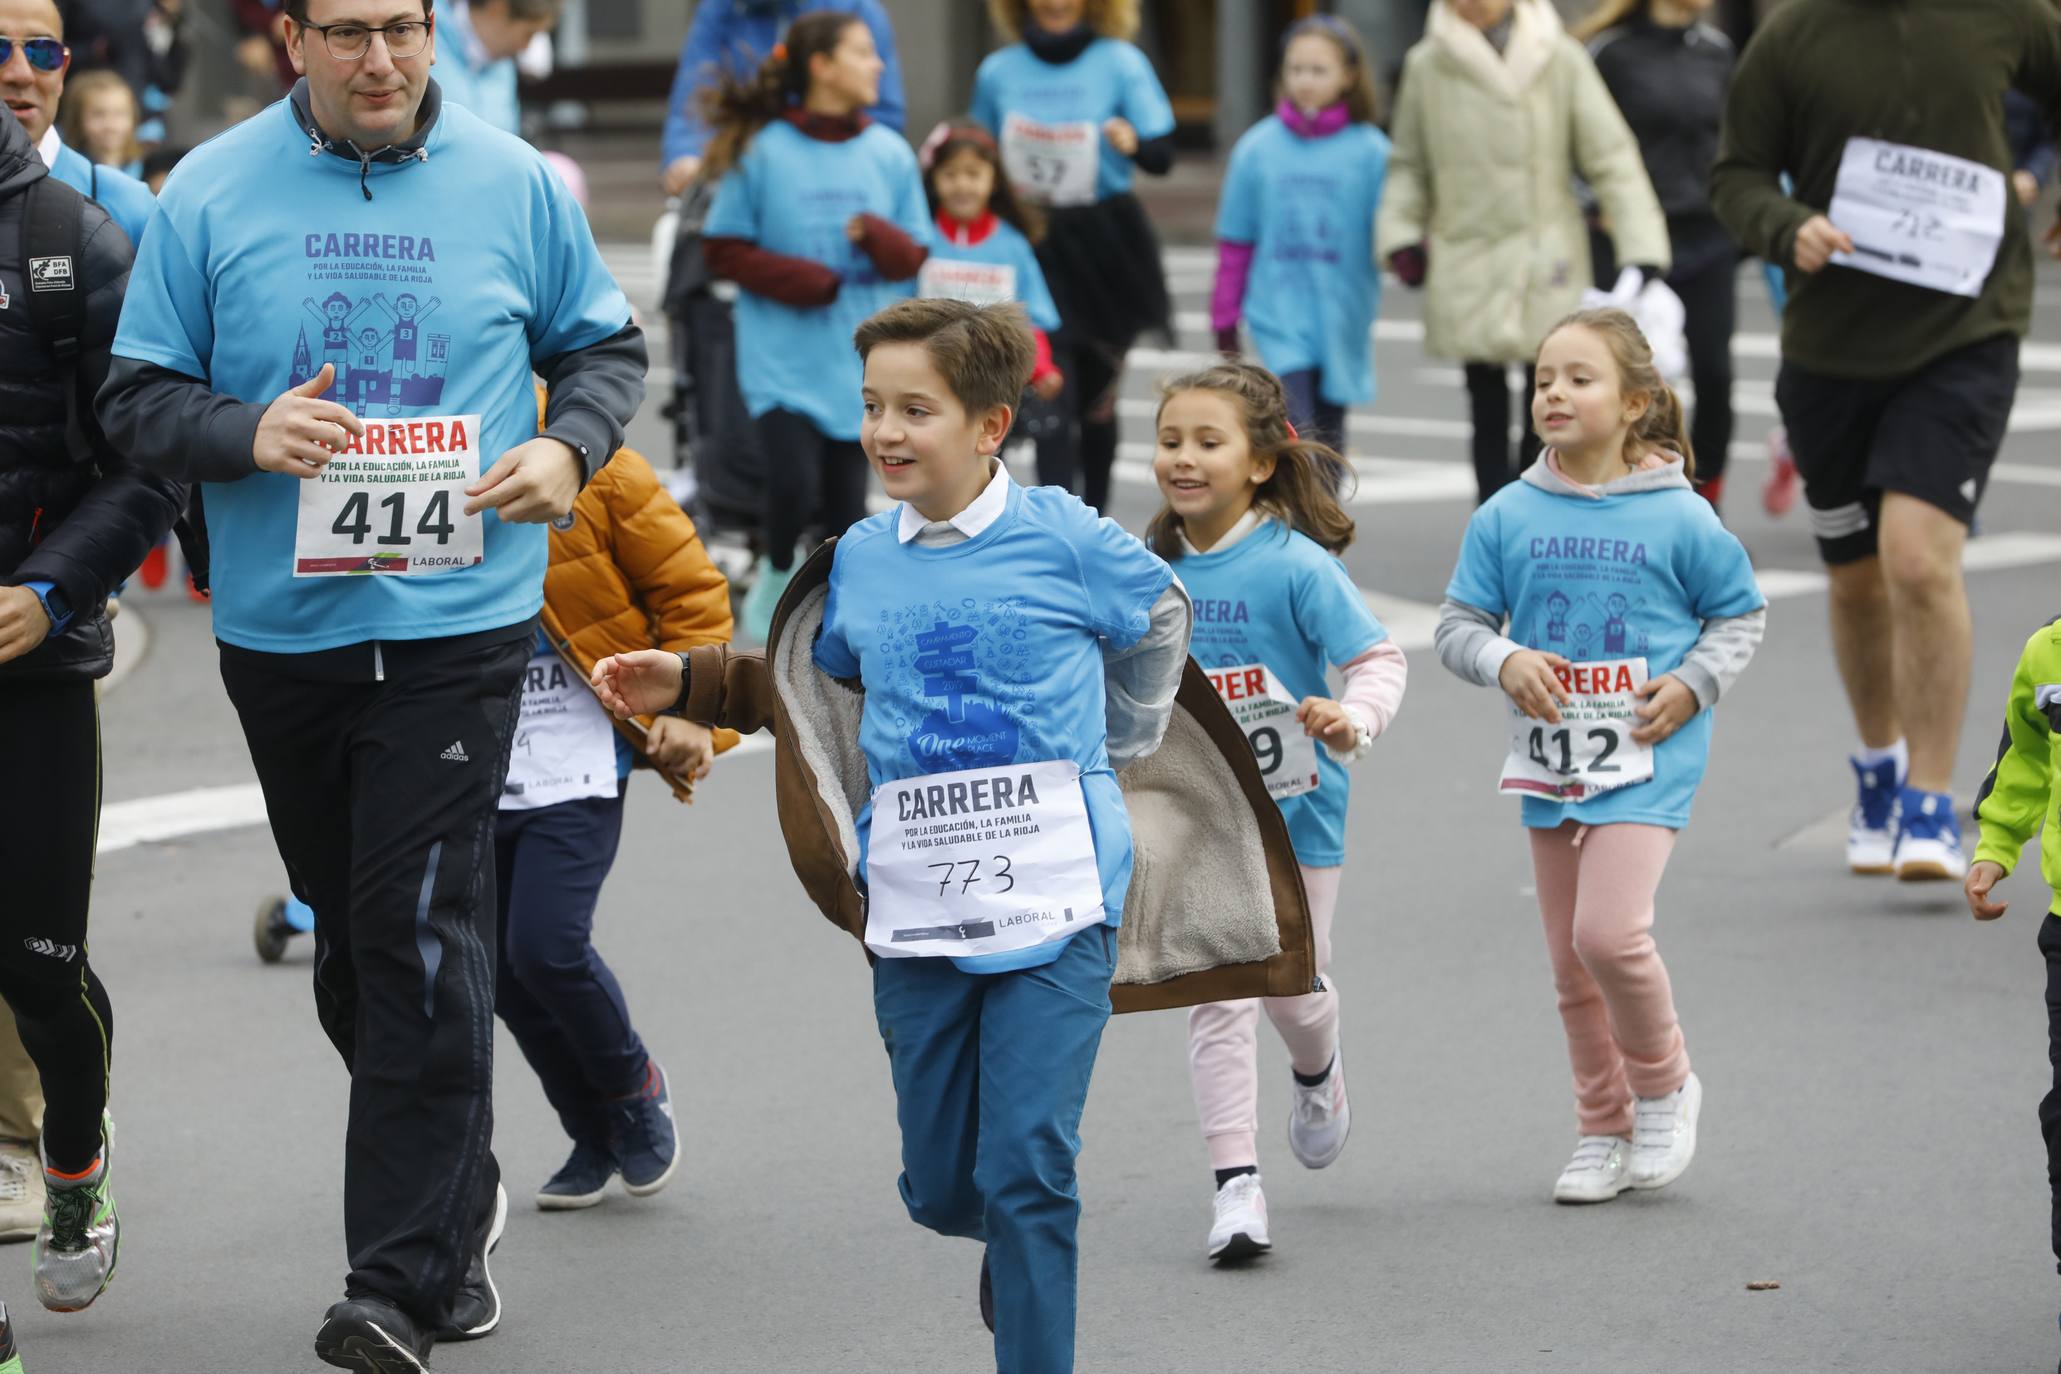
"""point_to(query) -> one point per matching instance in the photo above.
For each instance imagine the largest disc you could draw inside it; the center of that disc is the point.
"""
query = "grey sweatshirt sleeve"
(1140, 683)
(593, 393)
(1721, 653)
(1471, 643)
(171, 424)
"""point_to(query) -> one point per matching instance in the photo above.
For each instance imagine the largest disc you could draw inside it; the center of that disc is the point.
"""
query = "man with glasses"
(377, 574)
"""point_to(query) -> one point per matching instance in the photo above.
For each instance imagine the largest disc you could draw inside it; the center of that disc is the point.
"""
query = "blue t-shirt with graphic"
(1307, 206)
(436, 297)
(1110, 79)
(794, 194)
(1005, 247)
(1629, 575)
(1030, 600)
(1277, 597)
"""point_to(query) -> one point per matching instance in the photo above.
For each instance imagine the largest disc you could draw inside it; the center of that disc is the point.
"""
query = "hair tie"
(932, 141)
(779, 52)
(1293, 437)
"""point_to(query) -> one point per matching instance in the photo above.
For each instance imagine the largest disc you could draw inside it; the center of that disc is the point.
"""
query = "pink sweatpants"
(1223, 1041)
(1596, 889)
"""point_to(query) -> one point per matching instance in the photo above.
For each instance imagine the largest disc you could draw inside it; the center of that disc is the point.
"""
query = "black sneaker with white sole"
(373, 1336)
(478, 1309)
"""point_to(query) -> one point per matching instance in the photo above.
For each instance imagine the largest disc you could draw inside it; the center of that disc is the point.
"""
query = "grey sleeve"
(1721, 653)
(1140, 683)
(174, 426)
(593, 393)
(1471, 643)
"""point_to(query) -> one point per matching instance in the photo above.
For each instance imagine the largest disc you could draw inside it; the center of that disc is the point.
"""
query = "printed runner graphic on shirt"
(370, 298)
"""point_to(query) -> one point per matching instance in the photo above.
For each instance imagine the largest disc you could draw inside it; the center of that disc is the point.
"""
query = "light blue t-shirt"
(467, 76)
(794, 194)
(1307, 206)
(1109, 79)
(1277, 597)
(128, 202)
(465, 271)
(1004, 247)
(1029, 600)
(1629, 575)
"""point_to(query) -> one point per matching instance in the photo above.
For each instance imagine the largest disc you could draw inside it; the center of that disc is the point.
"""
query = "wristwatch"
(679, 708)
(56, 605)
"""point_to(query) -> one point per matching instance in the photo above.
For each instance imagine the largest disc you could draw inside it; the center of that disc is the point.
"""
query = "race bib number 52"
(1591, 750)
(394, 502)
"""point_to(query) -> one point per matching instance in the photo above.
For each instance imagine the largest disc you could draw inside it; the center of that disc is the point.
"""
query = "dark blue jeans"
(558, 998)
(1313, 417)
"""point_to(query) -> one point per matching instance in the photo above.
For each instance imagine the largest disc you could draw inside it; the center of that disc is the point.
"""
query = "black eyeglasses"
(349, 42)
(44, 54)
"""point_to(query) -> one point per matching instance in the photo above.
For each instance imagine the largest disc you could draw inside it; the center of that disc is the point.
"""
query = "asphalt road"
(1872, 1058)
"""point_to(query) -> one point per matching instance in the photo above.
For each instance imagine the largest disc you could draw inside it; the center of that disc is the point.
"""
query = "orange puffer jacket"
(629, 572)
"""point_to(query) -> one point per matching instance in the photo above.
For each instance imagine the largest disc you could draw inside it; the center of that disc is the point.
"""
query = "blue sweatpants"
(991, 1073)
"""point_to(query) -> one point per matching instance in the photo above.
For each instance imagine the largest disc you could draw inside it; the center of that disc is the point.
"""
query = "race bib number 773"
(1591, 750)
(394, 502)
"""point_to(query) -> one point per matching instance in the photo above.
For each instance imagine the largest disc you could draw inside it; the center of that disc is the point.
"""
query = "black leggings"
(811, 481)
(1077, 447)
(1488, 399)
(49, 827)
(1710, 302)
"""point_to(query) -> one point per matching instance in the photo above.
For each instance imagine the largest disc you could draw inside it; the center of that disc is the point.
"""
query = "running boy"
(991, 696)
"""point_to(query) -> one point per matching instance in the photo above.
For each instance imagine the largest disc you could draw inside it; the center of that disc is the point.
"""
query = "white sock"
(1869, 758)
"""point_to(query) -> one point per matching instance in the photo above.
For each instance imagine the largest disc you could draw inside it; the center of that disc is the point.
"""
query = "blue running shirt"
(1110, 79)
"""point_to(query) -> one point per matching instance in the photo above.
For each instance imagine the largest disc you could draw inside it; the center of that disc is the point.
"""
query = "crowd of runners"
(362, 358)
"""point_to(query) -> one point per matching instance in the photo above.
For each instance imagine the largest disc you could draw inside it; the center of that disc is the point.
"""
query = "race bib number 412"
(1265, 711)
(1591, 750)
(394, 502)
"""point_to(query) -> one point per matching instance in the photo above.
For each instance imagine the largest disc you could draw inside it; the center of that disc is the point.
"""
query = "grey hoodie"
(1472, 645)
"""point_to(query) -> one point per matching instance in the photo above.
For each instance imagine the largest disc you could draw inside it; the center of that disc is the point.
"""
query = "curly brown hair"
(1300, 493)
(1110, 18)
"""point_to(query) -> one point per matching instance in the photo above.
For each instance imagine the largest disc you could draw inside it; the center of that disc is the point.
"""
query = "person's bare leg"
(1863, 646)
(1934, 633)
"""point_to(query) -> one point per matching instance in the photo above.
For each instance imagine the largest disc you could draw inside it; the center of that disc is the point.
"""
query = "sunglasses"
(44, 54)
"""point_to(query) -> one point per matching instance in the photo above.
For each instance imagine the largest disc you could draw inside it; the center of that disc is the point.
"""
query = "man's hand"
(1327, 720)
(1529, 678)
(1817, 241)
(641, 683)
(1982, 876)
(299, 432)
(678, 173)
(1668, 707)
(532, 483)
(23, 623)
(1121, 135)
(681, 747)
(2025, 186)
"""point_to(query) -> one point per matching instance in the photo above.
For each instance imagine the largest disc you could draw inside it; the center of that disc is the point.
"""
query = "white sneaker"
(1240, 1231)
(21, 1190)
(1599, 1171)
(1320, 1117)
(1871, 829)
(1664, 1134)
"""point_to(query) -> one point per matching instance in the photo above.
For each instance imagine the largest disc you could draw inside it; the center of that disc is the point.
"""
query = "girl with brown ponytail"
(819, 217)
(1253, 531)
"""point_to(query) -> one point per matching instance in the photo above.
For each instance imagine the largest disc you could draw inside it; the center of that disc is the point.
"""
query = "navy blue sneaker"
(580, 1181)
(647, 1148)
(987, 1294)
(1871, 831)
(1928, 838)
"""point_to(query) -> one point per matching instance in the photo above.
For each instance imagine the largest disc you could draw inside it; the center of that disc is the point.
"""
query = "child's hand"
(1528, 677)
(1324, 719)
(1049, 386)
(1121, 135)
(1982, 876)
(1669, 706)
(681, 747)
(638, 684)
(855, 228)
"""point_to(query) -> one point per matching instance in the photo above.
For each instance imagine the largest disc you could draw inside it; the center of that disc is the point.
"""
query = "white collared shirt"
(970, 523)
(49, 147)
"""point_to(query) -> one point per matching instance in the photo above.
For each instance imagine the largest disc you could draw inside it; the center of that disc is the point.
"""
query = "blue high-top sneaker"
(1871, 833)
(1928, 838)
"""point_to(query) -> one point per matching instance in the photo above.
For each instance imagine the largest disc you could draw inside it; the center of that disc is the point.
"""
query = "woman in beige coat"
(1497, 112)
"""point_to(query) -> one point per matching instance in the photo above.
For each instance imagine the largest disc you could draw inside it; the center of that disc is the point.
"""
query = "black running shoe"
(478, 1309)
(987, 1293)
(372, 1335)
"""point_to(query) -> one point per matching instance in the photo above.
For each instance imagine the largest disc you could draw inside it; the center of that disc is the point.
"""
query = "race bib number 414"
(1591, 750)
(394, 502)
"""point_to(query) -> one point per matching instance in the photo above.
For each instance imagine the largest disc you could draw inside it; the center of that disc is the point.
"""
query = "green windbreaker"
(2019, 792)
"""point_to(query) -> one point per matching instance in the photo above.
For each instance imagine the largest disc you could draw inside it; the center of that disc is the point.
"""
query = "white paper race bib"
(1265, 711)
(1591, 750)
(1917, 216)
(394, 502)
(981, 283)
(1055, 164)
(564, 746)
(980, 861)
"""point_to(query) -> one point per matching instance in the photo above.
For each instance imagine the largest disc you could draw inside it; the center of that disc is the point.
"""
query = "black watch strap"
(679, 707)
